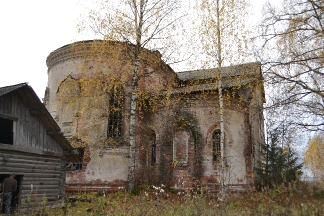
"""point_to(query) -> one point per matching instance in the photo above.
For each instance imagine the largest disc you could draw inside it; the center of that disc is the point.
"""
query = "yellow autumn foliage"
(314, 156)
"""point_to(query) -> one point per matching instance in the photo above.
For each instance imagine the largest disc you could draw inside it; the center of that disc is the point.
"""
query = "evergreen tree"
(278, 165)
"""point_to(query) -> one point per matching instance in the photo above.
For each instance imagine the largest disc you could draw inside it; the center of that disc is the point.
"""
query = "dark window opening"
(6, 131)
(115, 119)
(216, 138)
(153, 150)
(72, 166)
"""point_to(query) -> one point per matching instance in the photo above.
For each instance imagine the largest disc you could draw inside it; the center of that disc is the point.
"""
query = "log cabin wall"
(36, 157)
(41, 175)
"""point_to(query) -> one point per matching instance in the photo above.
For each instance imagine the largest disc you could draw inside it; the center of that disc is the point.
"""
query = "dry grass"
(295, 199)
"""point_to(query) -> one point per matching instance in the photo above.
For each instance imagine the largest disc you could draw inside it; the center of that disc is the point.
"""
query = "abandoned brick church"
(178, 129)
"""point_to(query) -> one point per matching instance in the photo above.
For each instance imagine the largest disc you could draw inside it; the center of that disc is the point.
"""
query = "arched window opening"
(153, 149)
(216, 138)
(115, 119)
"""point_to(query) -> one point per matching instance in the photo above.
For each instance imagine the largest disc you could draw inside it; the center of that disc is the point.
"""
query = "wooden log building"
(33, 147)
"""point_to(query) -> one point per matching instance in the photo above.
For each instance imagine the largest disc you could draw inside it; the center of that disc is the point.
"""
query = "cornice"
(79, 49)
(65, 53)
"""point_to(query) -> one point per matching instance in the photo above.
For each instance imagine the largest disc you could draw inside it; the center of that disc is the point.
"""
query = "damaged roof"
(247, 69)
(206, 79)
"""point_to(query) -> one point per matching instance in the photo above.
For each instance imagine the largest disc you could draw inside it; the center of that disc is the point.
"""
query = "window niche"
(115, 118)
(6, 131)
(216, 142)
(153, 149)
(180, 147)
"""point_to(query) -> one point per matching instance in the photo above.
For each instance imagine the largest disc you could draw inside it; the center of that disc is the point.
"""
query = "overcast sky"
(31, 30)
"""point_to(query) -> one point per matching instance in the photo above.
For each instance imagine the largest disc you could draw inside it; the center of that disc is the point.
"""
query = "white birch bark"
(132, 133)
(221, 106)
(133, 121)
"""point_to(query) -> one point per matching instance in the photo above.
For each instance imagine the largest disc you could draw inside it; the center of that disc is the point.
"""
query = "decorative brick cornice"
(83, 48)
(66, 52)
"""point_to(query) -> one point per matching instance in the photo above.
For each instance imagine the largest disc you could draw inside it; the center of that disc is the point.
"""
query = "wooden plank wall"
(40, 158)
(29, 130)
(45, 173)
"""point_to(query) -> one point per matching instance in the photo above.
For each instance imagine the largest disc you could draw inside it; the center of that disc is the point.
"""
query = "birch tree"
(144, 24)
(293, 57)
(314, 156)
(224, 42)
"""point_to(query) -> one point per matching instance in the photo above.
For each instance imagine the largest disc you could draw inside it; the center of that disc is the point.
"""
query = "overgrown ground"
(301, 199)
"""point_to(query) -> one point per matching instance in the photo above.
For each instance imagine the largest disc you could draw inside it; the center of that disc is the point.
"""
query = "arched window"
(153, 149)
(115, 119)
(216, 138)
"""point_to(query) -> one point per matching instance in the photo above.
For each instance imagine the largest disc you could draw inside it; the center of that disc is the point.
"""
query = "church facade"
(178, 121)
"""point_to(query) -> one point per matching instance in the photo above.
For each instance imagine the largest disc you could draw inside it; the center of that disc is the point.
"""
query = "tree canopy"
(293, 58)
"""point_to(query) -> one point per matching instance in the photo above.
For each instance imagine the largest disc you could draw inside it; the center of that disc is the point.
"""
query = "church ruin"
(178, 131)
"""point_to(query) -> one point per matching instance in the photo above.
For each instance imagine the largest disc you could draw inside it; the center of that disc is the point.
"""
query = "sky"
(31, 30)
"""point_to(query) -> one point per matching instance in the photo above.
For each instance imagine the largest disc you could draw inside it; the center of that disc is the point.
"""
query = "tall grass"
(292, 199)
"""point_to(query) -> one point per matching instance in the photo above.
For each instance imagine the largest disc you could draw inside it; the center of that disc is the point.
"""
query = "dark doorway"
(15, 196)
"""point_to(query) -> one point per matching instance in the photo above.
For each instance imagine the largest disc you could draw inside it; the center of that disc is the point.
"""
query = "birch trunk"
(221, 106)
(138, 15)
(132, 132)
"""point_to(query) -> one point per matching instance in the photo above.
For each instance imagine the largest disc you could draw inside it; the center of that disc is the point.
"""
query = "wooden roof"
(37, 108)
